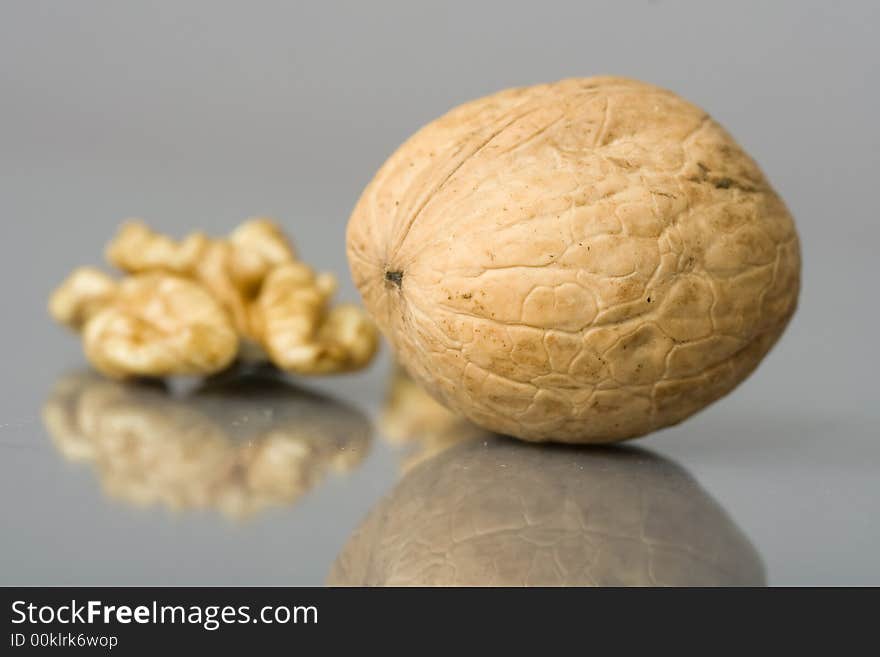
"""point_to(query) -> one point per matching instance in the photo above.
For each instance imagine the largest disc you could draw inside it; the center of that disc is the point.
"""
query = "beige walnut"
(494, 512)
(584, 261)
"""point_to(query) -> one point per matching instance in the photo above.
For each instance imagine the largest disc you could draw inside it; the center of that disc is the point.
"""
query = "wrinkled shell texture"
(584, 261)
(499, 513)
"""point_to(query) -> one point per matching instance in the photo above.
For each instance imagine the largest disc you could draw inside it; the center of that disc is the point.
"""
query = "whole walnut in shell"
(584, 261)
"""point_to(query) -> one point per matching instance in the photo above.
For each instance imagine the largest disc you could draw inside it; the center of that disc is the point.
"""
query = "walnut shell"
(584, 261)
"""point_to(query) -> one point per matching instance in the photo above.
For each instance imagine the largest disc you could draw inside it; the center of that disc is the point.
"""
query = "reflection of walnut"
(151, 324)
(238, 446)
(300, 334)
(496, 512)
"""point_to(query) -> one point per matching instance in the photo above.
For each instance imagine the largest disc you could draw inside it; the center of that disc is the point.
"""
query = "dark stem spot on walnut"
(395, 277)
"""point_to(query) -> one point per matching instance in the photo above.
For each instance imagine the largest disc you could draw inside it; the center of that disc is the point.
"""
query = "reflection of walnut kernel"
(238, 444)
(411, 416)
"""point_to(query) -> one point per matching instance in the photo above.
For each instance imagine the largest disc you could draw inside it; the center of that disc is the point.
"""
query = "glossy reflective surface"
(252, 478)
(236, 445)
(495, 512)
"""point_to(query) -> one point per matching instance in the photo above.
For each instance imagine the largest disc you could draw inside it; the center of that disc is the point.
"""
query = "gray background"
(198, 114)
